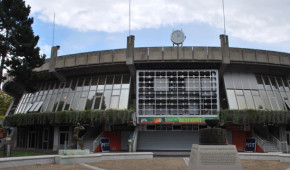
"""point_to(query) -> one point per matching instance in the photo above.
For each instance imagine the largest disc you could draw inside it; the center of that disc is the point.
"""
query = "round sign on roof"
(177, 37)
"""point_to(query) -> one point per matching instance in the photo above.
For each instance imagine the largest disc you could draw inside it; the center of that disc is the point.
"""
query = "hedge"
(70, 117)
(250, 116)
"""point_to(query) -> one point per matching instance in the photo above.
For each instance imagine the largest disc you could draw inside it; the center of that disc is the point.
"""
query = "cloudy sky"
(92, 25)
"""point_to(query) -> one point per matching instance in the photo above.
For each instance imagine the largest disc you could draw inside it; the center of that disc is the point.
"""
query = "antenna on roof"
(224, 17)
(129, 17)
(53, 29)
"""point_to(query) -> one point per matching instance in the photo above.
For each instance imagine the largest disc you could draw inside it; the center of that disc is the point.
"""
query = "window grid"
(155, 97)
(270, 93)
(51, 94)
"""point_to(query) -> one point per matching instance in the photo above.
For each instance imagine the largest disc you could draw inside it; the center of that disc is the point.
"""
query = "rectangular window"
(109, 82)
(232, 99)
(249, 99)
(90, 100)
(80, 84)
(114, 102)
(94, 83)
(265, 100)
(28, 106)
(260, 82)
(267, 83)
(37, 108)
(117, 82)
(161, 84)
(177, 92)
(33, 107)
(87, 84)
(192, 84)
(101, 84)
(123, 104)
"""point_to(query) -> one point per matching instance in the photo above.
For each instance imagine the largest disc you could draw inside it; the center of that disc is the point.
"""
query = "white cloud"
(263, 21)
(45, 49)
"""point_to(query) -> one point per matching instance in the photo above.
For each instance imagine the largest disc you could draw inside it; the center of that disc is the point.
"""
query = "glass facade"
(83, 93)
(178, 92)
(250, 91)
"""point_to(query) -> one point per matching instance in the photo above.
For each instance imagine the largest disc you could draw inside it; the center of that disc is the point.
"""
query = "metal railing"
(281, 145)
(96, 142)
(259, 141)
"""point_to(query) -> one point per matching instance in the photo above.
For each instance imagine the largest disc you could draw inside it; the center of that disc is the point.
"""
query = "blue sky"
(93, 25)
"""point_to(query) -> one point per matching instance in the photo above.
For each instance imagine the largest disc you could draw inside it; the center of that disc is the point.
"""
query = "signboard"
(250, 144)
(174, 120)
(105, 144)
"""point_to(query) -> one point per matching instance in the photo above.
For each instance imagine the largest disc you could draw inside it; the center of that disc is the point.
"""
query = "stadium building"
(171, 90)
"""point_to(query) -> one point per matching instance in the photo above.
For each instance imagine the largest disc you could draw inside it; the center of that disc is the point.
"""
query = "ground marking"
(92, 167)
(186, 160)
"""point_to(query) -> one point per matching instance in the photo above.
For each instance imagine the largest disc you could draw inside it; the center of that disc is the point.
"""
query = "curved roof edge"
(169, 54)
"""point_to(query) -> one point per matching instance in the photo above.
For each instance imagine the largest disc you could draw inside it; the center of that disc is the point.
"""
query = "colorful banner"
(174, 120)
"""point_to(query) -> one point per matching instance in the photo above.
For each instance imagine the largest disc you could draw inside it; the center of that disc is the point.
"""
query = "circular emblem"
(177, 37)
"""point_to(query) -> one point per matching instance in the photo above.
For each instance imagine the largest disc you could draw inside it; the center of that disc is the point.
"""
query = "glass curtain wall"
(178, 92)
(250, 91)
(82, 93)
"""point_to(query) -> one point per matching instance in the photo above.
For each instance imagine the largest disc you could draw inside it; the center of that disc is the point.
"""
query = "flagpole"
(224, 17)
(129, 17)
(53, 29)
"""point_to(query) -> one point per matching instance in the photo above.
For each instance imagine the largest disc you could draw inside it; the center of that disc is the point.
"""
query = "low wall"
(72, 159)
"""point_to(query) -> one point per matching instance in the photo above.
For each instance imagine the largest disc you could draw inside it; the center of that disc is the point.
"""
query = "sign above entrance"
(173, 120)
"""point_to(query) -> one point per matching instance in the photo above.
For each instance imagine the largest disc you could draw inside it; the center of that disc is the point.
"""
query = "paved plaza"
(177, 163)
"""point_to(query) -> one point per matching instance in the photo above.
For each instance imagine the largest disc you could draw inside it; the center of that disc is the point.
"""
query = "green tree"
(5, 101)
(19, 54)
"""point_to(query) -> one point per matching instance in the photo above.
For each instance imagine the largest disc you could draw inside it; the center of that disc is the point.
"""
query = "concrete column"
(225, 55)
(225, 48)
(52, 59)
(55, 138)
(130, 50)
(130, 62)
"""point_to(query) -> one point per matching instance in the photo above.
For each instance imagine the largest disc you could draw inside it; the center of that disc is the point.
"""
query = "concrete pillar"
(55, 138)
(130, 64)
(52, 59)
(225, 55)
(130, 50)
(225, 48)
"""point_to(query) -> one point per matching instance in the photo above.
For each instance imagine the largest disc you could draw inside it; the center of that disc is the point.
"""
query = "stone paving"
(152, 164)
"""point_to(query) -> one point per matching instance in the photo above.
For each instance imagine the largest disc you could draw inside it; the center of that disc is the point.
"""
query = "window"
(176, 92)
(83, 93)
(241, 99)
(161, 84)
(232, 99)
(249, 99)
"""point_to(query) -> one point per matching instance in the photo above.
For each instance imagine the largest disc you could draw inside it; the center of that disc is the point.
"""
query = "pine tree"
(18, 45)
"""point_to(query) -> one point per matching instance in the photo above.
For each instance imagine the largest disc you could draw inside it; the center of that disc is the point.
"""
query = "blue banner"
(250, 144)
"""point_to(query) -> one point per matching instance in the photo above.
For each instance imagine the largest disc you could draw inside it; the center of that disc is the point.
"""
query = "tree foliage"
(5, 101)
(19, 53)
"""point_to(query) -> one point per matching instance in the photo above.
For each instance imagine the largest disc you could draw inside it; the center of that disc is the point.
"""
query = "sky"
(95, 25)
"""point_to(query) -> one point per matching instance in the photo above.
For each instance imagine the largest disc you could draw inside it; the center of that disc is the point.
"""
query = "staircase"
(88, 139)
(270, 147)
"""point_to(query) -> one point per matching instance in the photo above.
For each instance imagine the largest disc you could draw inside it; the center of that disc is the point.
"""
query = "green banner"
(174, 120)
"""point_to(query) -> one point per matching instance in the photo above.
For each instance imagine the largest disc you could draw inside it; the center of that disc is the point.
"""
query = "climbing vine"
(254, 116)
(70, 117)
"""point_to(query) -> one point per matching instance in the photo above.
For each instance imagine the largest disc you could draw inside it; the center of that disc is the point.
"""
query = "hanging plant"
(69, 117)
(254, 116)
